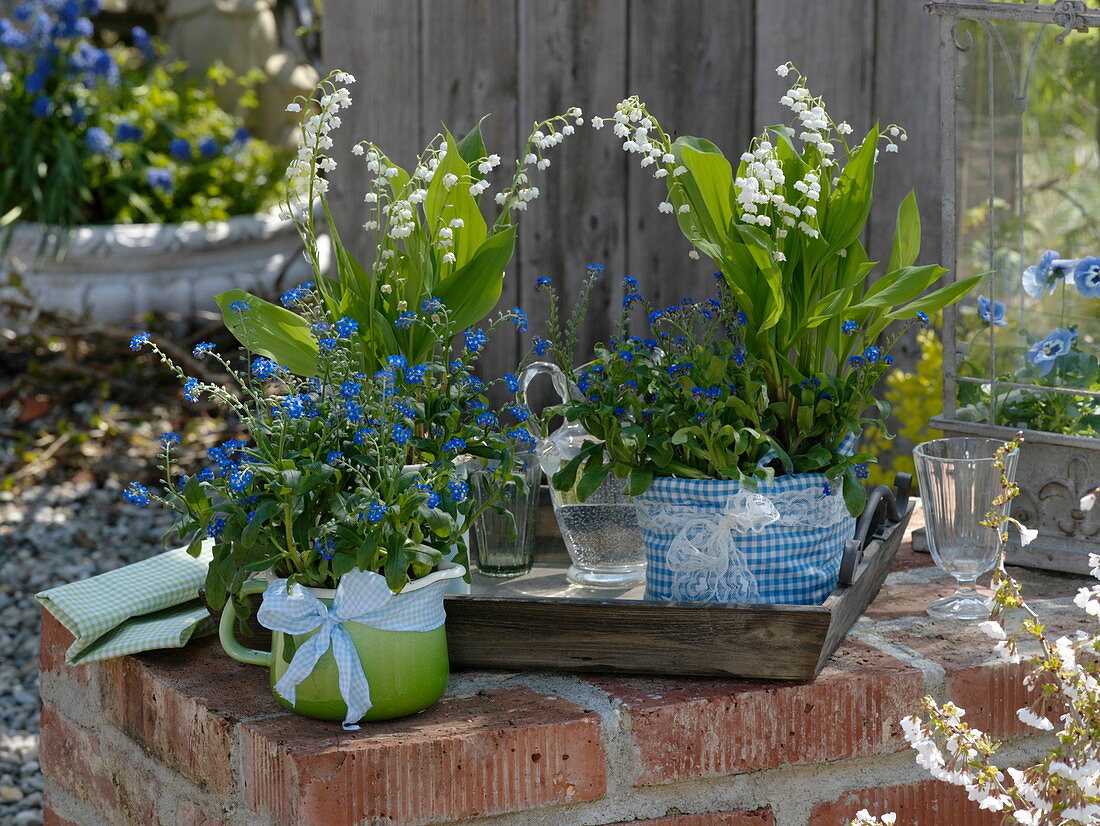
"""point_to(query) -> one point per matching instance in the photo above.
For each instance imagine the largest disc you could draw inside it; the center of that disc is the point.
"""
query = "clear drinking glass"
(958, 483)
(499, 552)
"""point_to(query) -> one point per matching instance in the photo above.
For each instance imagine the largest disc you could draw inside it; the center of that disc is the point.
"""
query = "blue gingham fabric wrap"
(362, 597)
(706, 540)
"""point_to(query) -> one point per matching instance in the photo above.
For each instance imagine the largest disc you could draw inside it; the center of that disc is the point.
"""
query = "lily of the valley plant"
(430, 241)
(1064, 681)
(783, 224)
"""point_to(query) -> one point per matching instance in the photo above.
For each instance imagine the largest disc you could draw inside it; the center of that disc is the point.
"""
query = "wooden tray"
(540, 622)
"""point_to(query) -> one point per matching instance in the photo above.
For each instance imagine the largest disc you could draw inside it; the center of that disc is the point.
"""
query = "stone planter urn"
(113, 272)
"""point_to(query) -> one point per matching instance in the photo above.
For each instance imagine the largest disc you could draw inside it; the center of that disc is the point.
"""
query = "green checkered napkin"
(149, 604)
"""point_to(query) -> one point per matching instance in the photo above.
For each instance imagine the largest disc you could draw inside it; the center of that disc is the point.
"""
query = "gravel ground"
(51, 534)
(79, 418)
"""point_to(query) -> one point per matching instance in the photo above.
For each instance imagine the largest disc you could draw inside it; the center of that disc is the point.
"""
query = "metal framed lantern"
(1020, 109)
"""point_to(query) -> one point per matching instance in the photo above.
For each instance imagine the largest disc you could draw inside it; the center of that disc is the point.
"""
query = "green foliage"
(688, 401)
(784, 226)
(325, 484)
(432, 244)
(87, 135)
(914, 398)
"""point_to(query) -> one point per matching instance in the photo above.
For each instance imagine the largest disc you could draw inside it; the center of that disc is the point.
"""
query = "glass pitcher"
(601, 533)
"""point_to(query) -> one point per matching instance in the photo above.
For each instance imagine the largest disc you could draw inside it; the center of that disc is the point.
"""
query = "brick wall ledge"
(193, 738)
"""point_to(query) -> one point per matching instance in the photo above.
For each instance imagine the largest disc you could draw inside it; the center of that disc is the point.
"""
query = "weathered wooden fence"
(705, 67)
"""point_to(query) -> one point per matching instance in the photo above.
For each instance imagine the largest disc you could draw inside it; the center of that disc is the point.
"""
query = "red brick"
(685, 730)
(989, 690)
(52, 818)
(188, 814)
(55, 641)
(75, 759)
(757, 817)
(500, 751)
(929, 803)
(182, 706)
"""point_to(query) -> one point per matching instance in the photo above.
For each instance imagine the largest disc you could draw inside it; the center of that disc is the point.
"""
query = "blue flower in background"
(180, 149)
(333, 455)
(126, 132)
(239, 479)
(512, 382)
(350, 389)
(992, 312)
(405, 320)
(415, 374)
(42, 107)
(208, 148)
(400, 434)
(160, 178)
(1043, 277)
(377, 512)
(519, 316)
(143, 42)
(849, 328)
(455, 445)
(1044, 353)
(1086, 275)
(923, 318)
(327, 344)
(488, 421)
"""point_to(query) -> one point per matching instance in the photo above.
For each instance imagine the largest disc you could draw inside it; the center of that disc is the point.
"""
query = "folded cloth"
(149, 604)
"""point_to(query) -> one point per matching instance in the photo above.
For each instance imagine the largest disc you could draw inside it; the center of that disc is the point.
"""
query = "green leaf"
(472, 148)
(591, 480)
(906, 233)
(850, 203)
(937, 300)
(472, 291)
(899, 286)
(272, 331)
(638, 481)
(713, 176)
(855, 495)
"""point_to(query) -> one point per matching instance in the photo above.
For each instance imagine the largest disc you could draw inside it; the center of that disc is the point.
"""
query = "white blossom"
(294, 107)
(664, 206)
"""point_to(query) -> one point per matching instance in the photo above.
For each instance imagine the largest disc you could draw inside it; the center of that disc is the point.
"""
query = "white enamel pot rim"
(444, 570)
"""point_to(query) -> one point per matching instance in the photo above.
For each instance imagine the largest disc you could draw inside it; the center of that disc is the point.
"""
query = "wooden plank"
(832, 43)
(691, 62)
(378, 42)
(573, 53)
(847, 603)
(906, 64)
(467, 76)
(636, 637)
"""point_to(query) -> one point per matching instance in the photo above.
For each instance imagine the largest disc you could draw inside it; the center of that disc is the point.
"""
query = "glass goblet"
(958, 483)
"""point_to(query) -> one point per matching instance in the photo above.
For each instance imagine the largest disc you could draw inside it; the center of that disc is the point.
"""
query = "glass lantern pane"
(1028, 154)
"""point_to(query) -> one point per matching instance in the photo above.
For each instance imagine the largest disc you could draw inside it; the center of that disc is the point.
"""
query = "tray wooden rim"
(522, 627)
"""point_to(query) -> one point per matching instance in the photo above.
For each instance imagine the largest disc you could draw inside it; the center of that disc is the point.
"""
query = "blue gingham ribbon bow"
(704, 559)
(362, 597)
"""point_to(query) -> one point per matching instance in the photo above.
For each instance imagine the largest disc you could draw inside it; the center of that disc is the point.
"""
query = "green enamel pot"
(407, 670)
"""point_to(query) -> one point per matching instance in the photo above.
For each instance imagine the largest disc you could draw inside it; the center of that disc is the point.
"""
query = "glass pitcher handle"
(562, 386)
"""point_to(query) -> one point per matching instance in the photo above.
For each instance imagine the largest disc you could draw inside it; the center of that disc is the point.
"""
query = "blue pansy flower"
(1044, 353)
(1043, 277)
(992, 312)
(1086, 275)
